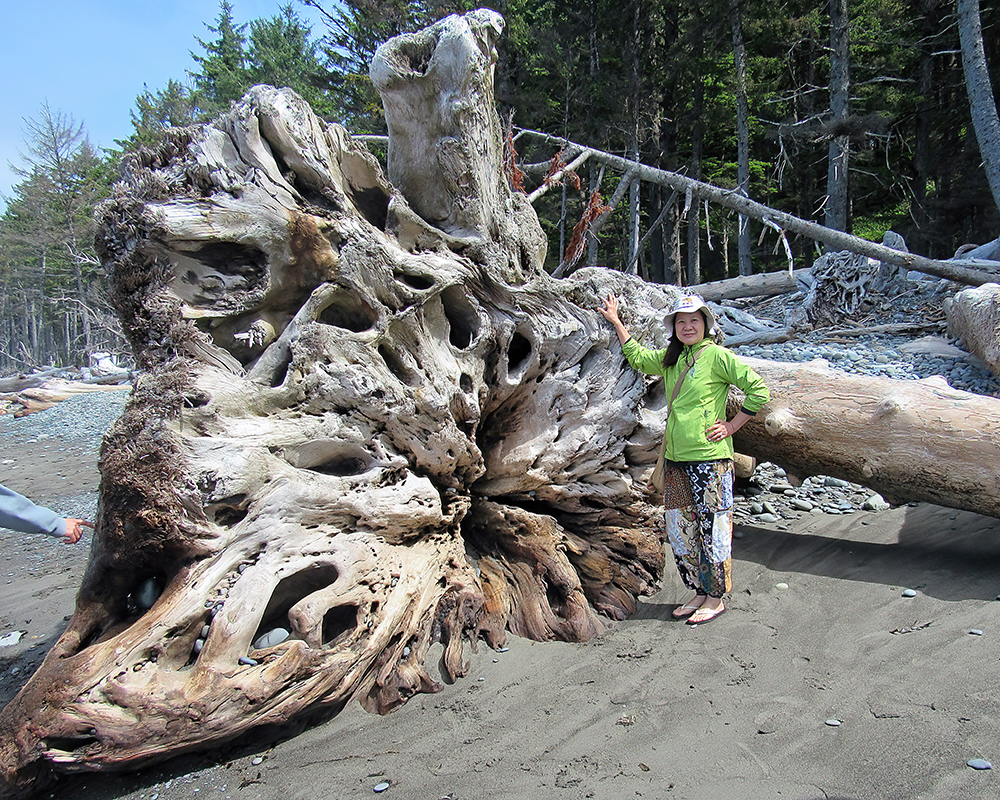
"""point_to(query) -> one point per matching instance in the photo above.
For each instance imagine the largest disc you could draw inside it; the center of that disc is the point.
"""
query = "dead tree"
(367, 422)
(908, 440)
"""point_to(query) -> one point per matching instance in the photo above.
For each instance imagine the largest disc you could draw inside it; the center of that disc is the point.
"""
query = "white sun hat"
(685, 304)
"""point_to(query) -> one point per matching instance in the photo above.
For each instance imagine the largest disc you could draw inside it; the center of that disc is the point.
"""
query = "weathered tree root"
(358, 432)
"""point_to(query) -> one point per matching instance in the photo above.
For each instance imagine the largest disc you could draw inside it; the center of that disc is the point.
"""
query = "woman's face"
(689, 327)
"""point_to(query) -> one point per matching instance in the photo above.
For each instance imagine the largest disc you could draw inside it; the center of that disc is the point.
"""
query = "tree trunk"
(742, 135)
(763, 285)
(907, 440)
(697, 141)
(985, 120)
(929, 26)
(838, 159)
(368, 422)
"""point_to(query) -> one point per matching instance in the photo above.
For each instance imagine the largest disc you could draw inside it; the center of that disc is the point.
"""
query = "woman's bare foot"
(710, 609)
(689, 607)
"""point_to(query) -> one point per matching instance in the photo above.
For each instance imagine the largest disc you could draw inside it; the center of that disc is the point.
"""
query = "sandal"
(711, 614)
(685, 611)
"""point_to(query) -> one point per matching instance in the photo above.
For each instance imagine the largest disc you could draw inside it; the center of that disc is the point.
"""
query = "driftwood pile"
(29, 393)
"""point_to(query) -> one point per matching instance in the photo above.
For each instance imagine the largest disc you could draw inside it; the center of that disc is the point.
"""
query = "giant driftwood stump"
(367, 419)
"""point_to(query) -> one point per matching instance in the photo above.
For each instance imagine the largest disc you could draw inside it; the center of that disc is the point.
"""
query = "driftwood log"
(367, 423)
(907, 440)
(974, 319)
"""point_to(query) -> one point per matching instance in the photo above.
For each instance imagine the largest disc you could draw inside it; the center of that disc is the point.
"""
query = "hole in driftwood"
(517, 353)
(348, 312)
(229, 511)
(417, 53)
(656, 396)
(68, 744)
(338, 622)
(341, 467)
(463, 321)
(373, 204)
(281, 368)
(396, 366)
(419, 282)
(594, 356)
(197, 400)
(555, 597)
(291, 590)
(327, 456)
(229, 258)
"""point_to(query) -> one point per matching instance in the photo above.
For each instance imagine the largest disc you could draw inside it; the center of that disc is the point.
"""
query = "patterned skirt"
(698, 506)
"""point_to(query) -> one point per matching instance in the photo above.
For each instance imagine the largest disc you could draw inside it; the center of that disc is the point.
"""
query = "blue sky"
(91, 58)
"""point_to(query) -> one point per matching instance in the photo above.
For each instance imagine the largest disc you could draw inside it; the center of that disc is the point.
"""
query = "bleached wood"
(908, 440)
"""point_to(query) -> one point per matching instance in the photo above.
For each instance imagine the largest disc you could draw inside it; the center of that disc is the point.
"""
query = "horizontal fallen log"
(767, 284)
(728, 198)
(760, 337)
(892, 328)
(908, 440)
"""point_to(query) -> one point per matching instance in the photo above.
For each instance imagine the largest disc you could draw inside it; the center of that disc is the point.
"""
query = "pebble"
(875, 503)
(381, 787)
(975, 632)
(909, 593)
(979, 763)
(147, 594)
(271, 638)
(781, 586)
(833, 723)
(768, 518)
(257, 761)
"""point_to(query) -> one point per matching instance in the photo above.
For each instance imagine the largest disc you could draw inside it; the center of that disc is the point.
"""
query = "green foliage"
(50, 294)
(223, 75)
(654, 78)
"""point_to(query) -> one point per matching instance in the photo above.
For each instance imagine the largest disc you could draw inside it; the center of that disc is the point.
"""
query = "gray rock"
(875, 503)
(271, 638)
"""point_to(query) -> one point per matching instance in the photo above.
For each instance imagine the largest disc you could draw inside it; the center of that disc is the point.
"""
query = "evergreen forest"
(855, 114)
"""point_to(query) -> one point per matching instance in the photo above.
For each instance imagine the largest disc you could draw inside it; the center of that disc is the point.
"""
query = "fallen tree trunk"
(766, 284)
(907, 440)
(836, 240)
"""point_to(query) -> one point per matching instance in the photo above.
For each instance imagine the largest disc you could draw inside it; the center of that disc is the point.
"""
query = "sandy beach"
(821, 681)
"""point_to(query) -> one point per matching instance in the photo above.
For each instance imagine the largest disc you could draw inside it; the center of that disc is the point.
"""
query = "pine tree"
(222, 77)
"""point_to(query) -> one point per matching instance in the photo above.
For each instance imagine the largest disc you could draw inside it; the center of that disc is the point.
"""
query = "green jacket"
(702, 398)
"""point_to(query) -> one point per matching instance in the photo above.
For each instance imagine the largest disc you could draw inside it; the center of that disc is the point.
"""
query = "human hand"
(719, 431)
(74, 529)
(610, 309)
